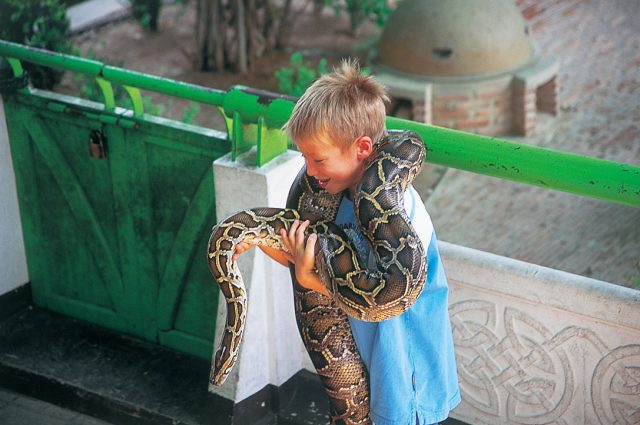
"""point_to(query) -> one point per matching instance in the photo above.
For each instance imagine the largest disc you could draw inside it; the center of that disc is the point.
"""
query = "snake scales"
(367, 294)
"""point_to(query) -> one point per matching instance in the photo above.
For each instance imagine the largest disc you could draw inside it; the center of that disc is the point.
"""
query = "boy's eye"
(318, 161)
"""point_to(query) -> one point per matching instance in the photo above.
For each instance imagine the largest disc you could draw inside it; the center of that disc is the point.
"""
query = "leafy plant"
(36, 23)
(189, 114)
(147, 13)
(361, 10)
(294, 80)
(635, 280)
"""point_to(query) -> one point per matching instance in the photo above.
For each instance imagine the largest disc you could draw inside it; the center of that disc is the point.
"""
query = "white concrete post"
(13, 260)
(271, 350)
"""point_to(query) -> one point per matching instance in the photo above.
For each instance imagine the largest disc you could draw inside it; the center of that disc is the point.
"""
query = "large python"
(367, 294)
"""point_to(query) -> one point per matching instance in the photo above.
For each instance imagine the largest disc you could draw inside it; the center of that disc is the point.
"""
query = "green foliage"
(635, 280)
(189, 114)
(69, 3)
(361, 10)
(296, 79)
(147, 13)
(36, 23)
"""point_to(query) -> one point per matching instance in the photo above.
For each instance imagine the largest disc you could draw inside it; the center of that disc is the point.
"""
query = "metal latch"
(97, 144)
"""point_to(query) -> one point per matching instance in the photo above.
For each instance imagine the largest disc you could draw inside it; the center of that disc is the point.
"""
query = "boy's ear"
(364, 147)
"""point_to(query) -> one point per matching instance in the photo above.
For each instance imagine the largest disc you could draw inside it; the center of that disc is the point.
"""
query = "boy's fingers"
(300, 234)
(292, 230)
(307, 259)
(285, 239)
(242, 247)
(289, 258)
(310, 249)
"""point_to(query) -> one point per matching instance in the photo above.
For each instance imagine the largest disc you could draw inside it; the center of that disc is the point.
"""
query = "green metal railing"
(552, 169)
(254, 117)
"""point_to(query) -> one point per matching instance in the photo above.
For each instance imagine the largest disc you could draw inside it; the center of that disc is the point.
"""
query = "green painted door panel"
(71, 250)
(118, 241)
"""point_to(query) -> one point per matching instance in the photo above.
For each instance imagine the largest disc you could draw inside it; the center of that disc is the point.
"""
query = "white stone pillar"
(13, 261)
(271, 351)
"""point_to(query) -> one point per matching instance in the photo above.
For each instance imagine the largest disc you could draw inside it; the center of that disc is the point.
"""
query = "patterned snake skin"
(367, 294)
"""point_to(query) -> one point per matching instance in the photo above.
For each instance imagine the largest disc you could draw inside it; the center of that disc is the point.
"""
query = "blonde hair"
(342, 105)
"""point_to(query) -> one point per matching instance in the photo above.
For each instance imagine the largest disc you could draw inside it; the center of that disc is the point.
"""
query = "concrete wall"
(13, 263)
(536, 345)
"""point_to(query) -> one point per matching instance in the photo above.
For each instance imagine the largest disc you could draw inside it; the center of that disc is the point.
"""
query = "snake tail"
(259, 226)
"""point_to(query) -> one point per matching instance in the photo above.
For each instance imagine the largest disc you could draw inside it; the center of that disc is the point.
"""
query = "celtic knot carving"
(615, 387)
(515, 369)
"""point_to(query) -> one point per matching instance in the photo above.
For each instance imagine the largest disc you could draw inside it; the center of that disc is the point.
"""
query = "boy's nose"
(311, 171)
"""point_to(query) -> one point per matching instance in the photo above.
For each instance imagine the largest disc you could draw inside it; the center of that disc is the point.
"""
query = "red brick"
(537, 26)
(570, 10)
(473, 123)
(505, 101)
(628, 85)
(530, 12)
(446, 123)
(456, 96)
(450, 115)
(625, 135)
(493, 130)
(592, 85)
(450, 106)
(476, 104)
(484, 113)
(493, 94)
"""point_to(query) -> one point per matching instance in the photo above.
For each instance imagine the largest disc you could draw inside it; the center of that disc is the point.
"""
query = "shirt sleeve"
(418, 216)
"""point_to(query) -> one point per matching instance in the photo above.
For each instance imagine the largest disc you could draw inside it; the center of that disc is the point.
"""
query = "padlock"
(97, 144)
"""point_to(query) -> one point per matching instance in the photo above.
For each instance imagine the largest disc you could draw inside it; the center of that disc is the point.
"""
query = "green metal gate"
(117, 240)
(117, 205)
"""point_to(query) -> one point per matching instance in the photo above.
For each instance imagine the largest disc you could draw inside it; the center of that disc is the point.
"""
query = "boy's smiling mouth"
(322, 182)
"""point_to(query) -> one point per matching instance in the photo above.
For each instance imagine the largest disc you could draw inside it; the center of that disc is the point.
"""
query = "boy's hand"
(241, 248)
(302, 254)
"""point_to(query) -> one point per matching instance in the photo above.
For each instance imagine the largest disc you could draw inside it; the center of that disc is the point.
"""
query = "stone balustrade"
(539, 346)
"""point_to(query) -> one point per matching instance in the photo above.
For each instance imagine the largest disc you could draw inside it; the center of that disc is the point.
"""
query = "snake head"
(221, 370)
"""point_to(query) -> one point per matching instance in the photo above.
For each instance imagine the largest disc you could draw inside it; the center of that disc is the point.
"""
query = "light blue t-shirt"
(410, 358)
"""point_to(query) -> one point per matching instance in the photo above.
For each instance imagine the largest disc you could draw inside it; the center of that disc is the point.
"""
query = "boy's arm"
(303, 257)
(273, 253)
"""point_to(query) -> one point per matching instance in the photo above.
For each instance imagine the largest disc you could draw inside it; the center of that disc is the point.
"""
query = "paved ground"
(16, 409)
(598, 46)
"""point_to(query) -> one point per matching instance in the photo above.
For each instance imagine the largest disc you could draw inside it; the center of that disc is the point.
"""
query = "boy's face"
(334, 167)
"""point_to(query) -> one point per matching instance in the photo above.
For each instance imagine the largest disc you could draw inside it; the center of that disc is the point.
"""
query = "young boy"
(410, 358)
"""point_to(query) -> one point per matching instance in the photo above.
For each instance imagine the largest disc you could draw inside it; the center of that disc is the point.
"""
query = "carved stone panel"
(540, 346)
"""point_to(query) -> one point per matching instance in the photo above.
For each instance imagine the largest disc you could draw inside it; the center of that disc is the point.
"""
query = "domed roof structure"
(455, 38)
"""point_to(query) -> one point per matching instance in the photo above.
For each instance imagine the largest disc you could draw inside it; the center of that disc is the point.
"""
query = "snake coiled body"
(370, 294)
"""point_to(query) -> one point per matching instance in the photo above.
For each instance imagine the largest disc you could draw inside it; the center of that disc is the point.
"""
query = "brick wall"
(543, 15)
(498, 105)
(481, 107)
(538, 12)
